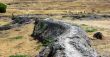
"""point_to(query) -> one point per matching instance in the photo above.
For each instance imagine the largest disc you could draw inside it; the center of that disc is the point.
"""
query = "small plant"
(19, 56)
(3, 8)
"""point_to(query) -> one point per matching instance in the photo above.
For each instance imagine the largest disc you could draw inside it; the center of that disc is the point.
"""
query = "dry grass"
(11, 43)
(76, 6)
(3, 23)
(18, 41)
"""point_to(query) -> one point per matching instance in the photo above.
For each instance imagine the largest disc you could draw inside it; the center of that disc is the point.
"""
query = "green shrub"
(19, 56)
(3, 8)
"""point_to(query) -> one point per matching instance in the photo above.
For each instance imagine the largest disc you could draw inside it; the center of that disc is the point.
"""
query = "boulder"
(98, 35)
(66, 40)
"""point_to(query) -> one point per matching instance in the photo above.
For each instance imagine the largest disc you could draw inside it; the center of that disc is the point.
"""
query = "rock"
(67, 40)
(21, 20)
(17, 21)
(98, 35)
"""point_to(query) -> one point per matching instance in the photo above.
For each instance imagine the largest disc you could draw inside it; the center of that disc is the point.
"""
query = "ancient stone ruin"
(62, 40)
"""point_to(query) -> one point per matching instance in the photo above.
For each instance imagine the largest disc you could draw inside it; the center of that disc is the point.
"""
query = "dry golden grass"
(3, 23)
(9, 45)
(21, 12)
(101, 6)
(95, 23)
(18, 41)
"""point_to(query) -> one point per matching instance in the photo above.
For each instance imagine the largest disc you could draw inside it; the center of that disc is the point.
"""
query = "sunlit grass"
(3, 23)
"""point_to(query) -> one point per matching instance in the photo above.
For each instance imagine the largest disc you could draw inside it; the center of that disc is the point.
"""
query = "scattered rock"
(21, 20)
(98, 35)
(17, 21)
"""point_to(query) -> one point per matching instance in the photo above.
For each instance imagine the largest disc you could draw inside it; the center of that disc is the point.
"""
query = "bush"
(3, 8)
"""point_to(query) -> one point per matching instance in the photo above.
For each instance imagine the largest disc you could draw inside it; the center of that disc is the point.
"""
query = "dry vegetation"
(48, 6)
(18, 40)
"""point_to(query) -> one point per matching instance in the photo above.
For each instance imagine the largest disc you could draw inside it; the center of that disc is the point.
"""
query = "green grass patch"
(90, 29)
(17, 37)
(19, 56)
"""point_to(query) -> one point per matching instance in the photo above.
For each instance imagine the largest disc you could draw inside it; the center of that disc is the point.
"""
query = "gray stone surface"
(69, 41)
(17, 21)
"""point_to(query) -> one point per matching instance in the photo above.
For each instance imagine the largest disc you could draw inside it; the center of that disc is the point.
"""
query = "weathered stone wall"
(67, 40)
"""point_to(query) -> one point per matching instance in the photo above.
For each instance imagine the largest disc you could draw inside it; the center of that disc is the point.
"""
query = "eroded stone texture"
(69, 41)
(17, 21)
